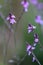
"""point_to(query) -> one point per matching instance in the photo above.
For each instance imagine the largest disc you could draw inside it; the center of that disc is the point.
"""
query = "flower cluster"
(38, 5)
(31, 28)
(30, 48)
(11, 18)
(38, 19)
(25, 4)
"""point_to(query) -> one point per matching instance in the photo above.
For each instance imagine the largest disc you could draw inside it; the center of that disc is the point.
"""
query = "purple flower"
(34, 2)
(29, 49)
(36, 39)
(25, 4)
(31, 28)
(11, 18)
(39, 20)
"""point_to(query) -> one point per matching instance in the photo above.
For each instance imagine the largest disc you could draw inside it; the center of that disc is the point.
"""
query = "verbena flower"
(38, 19)
(29, 48)
(31, 28)
(34, 2)
(36, 39)
(11, 18)
(25, 5)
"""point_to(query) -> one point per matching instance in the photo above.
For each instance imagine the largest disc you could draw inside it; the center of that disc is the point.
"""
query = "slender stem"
(22, 59)
(5, 50)
(36, 58)
(33, 55)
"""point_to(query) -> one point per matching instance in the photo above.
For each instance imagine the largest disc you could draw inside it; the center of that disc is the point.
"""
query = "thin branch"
(22, 59)
(19, 19)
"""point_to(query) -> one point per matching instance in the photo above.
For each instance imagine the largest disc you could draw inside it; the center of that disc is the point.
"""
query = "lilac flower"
(29, 49)
(11, 18)
(34, 2)
(36, 39)
(25, 4)
(39, 20)
(31, 28)
(33, 59)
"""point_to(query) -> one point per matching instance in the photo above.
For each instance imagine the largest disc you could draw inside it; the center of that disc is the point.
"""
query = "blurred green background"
(21, 34)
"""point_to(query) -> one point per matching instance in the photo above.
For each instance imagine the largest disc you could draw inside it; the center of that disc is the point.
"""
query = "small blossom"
(34, 2)
(36, 39)
(33, 59)
(25, 4)
(31, 28)
(11, 18)
(29, 49)
(39, 20)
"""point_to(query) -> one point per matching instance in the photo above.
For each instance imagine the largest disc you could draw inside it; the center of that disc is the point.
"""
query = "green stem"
(22, 59)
